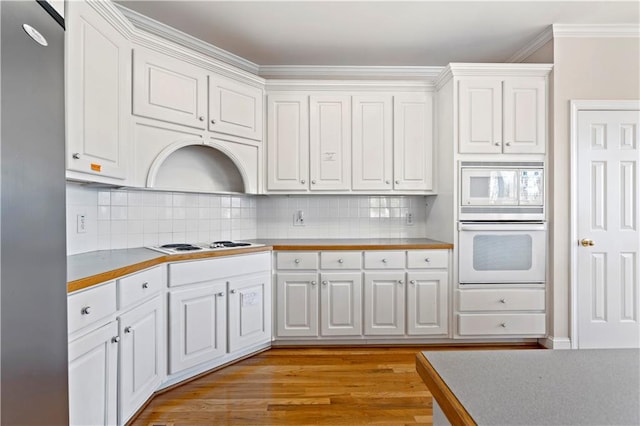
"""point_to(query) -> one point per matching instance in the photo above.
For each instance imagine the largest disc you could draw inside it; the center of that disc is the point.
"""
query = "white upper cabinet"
(288, 142)
(168, 89)
(330, 142)
(235, 108)
(502, 115)
(98, 64)
(413, 141)
(372, 163)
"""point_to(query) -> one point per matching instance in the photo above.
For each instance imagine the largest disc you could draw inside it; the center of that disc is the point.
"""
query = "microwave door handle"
(502, 227)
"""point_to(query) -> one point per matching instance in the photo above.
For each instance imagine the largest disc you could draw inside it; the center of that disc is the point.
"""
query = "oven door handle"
(502, 226)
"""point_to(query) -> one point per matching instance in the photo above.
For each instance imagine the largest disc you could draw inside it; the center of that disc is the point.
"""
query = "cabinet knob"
(503, 301)
(233, 292)
(303, 181)
(201, 118)
(497, 143)
(503, 325)
(384, 260)
(213, 121)
(313, 283)
(86, 310)
(115, 339)
(297, 261)
(388, 182)
(413, 282)
(313, 182)
(400, 282)
(145, 285)
(426, 259)
(220, 294)
(325, 282)
(340, 261)
(128, 329)
(75, 156)
(397, 182)
(508, 144)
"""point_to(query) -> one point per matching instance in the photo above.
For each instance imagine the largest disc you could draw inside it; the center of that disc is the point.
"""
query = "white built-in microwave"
(501, 191)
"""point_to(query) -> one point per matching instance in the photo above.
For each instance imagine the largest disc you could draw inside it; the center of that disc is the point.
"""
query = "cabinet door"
(480, 116)
(235, 108)
(249, 319)
(372, 162)
(297, 305)
(93, 361)
(413, 141)
(142, 356)
(197, 325)
(427, 303)
(288, 143)
(341, 304)
(525, 115)
(330, 142)
(168, 89)
(384, 303)
(98, 70)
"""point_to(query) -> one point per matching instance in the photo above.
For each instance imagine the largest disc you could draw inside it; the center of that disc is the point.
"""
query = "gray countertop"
(98, 262)
(544, 387)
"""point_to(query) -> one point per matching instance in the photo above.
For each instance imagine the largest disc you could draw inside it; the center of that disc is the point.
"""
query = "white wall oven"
(497, 191)
(502, 253)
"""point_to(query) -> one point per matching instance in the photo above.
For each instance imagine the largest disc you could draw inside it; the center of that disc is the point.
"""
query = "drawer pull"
(427, 260)
(86, 310)
(297, 261)
(220, 294)
(115, 339)
(325, 282)
(413, 282)
(145, 285)
(233, 292)
(400, 282)
(340, 261)
(503, 325)
(384, 260)
(313, 283)
(128, 329)
(503, 301)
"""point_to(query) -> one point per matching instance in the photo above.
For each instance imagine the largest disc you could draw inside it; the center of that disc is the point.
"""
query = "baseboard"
(555, 342)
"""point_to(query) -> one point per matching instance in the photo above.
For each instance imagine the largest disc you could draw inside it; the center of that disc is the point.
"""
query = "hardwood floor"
(331, 386)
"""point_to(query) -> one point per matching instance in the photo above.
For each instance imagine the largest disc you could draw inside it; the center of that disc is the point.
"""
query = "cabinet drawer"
(428, 259)
(88, 306)
(139, 286)
(384, 259)
(501, 324)
(501, 300)
(340, 259)
(197, 271)
(297, 260)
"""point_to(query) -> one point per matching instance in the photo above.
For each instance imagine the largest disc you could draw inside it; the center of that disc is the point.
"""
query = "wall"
(584, 68)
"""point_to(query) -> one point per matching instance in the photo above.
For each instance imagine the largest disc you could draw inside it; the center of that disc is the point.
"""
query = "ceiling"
(389, 33)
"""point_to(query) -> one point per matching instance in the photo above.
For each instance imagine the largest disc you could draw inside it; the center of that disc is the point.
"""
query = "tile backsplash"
(116, 218)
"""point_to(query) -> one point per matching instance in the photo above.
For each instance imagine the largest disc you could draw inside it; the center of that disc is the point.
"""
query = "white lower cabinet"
(297, 304)
(341, 304)
(249, 310)
(93, 362)
(384, 303)
(142, 356)
(427, 301)
(197, 325)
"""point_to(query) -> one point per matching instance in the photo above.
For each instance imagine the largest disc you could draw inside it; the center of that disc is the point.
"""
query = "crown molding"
(457, 69)
(536, 43)
(596, 30)
(180, 38)
(353, 85)
(346, 72)
(109, 12)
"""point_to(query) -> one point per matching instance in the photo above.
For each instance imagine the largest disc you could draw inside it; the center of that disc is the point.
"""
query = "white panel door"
(288, 143)
(384, 295)
(93, 363)
(197, 325)
(427, 303)
(608, 236)
(341, 304)
(330, 142)
(525, 116)
(235, 108)
(249, 315)
(372, 161)
(480, 116)
(413, 141)
(297, 305)
(169, 89)
(98, 94)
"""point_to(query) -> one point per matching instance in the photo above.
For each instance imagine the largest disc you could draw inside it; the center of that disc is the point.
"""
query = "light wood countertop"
(355, 244)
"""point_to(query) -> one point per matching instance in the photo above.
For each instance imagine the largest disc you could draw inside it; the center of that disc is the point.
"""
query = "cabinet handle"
(313, 182)
(233, 292)
(503, 325)
(313, 283)
(201, 118)
(145, 285)
(397, 182)
(115, 339)
(297, 261)
(325, 282)
(303, 181)
(503, 301)
(128, 329)
(413, 282)
(400, 282)
(340, 261)
(426, 259)
(387, 182)
(220, 294)
(86, 310)
(508, 144)
(384, 260)
(213, 121)
(75, 156)
(497, 143)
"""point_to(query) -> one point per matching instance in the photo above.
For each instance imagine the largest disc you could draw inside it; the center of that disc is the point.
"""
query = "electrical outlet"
(298, 218)
(409, 219)
(81, 224)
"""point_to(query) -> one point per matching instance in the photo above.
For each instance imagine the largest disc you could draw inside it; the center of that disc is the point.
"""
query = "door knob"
(587, 243)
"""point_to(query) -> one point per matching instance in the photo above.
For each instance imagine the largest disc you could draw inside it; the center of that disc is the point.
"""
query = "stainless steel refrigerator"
(33, 299)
